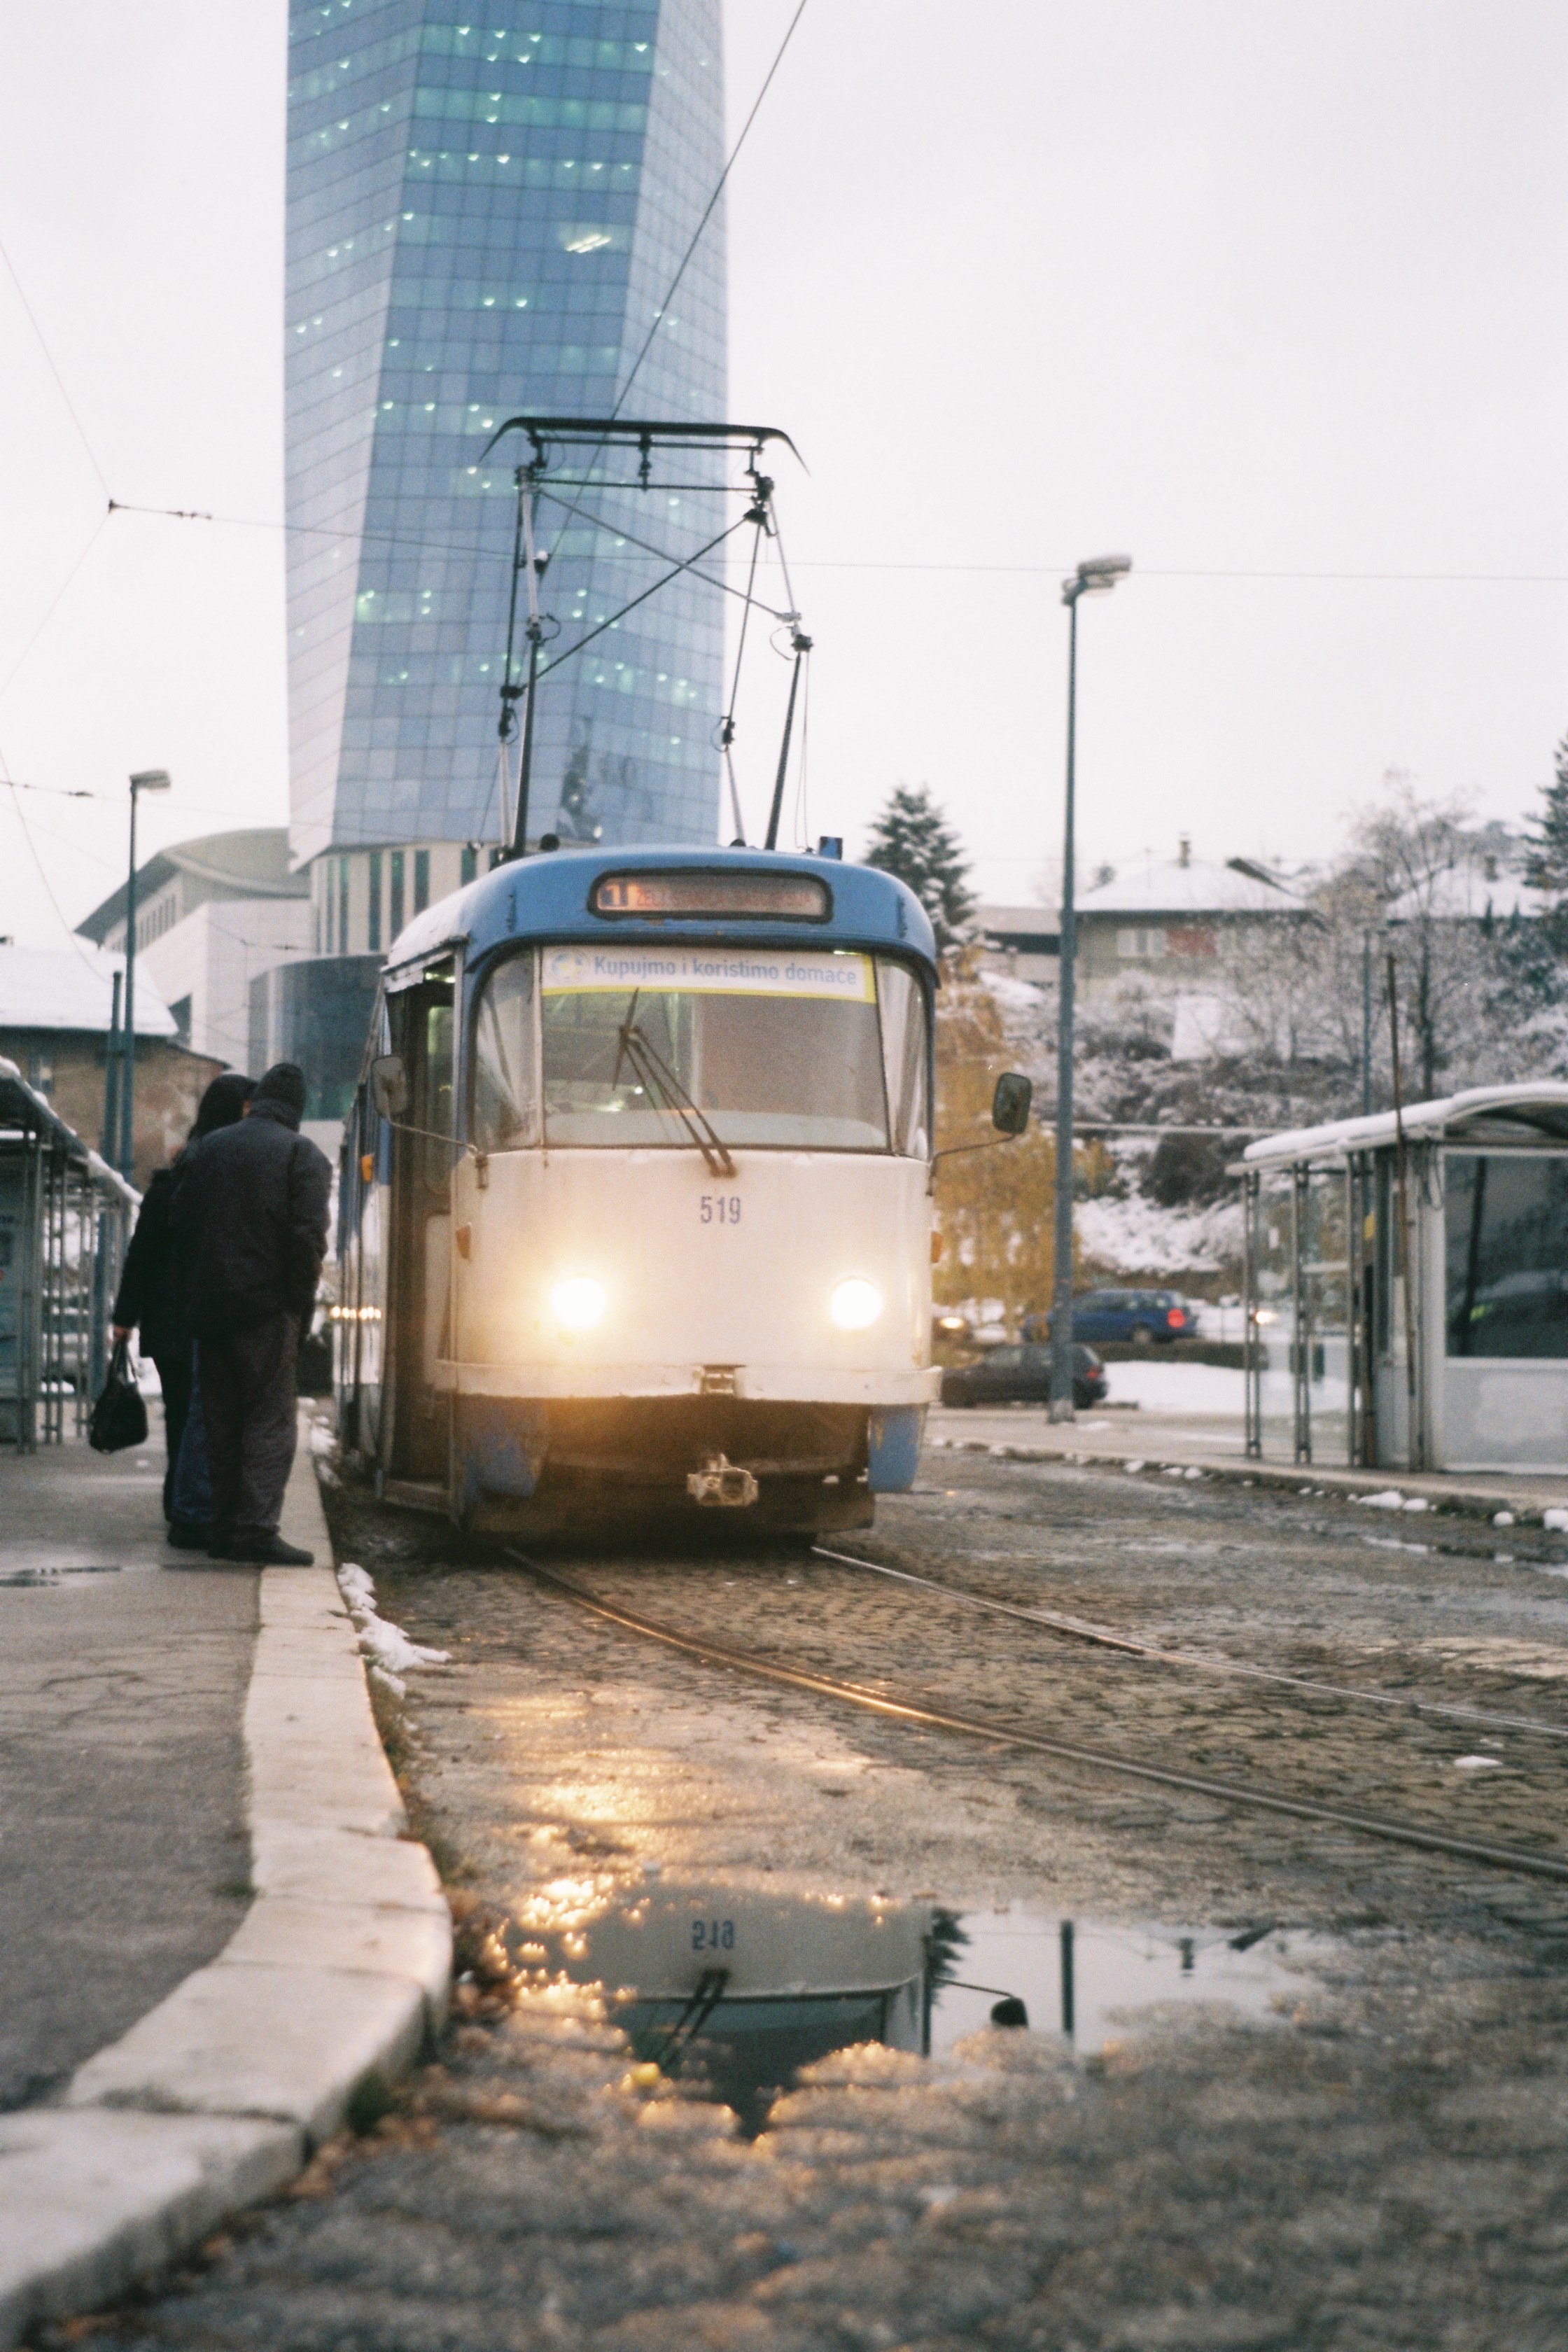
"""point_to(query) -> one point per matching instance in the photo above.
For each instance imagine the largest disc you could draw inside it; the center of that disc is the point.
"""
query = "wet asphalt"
(1378, 2157)
(124, 1666)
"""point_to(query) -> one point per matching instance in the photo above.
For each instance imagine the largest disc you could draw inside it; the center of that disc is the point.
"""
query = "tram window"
(1507, 1252)
(903, 1015)
(506, 1090)
(772, 1048)
(437, 1105)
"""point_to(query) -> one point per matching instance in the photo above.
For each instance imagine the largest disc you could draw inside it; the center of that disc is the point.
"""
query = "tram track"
(908, 1709)
(1106, 1637)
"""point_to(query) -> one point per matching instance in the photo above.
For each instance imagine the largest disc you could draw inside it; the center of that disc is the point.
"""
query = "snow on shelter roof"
(73, 988)
(1541, 1104)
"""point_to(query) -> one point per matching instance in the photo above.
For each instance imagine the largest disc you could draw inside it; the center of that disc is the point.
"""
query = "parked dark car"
(1023, 1376)
(1143, 1317)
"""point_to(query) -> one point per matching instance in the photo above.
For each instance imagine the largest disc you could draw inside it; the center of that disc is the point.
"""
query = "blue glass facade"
(483, 218)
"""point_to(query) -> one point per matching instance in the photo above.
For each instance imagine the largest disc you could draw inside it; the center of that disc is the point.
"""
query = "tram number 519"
(712, 1935)
(719, 1209)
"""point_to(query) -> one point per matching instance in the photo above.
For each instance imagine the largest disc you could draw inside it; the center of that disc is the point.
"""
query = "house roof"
(1468, 893)
(73, 988)
(252, 863)
(1170, 888)
(1539, 1105)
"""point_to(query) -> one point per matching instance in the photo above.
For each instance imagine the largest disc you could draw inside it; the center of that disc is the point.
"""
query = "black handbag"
(119, 1414)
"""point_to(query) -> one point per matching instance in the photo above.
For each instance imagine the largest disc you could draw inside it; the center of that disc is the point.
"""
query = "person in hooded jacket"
(150, 1297)
(250, 1219)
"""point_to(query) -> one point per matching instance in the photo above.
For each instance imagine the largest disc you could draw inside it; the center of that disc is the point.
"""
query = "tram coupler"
(719, 1484)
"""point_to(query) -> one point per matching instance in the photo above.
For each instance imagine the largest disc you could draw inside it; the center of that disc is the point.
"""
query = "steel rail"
(999, 1735)
(1104, 1637)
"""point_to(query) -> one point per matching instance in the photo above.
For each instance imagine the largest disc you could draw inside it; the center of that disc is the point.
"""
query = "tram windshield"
(637, 1046)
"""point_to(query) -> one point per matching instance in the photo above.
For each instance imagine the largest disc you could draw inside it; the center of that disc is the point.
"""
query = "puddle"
(1085, 1980)
(737, 1990)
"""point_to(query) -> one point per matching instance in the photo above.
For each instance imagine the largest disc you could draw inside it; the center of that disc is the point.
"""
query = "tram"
(636, 1199)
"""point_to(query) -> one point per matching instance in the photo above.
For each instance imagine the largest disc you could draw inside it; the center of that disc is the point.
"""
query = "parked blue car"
(1145, 1317)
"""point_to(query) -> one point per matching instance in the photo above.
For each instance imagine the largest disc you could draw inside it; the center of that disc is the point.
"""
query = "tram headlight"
(578, 1303)
(855, 1304)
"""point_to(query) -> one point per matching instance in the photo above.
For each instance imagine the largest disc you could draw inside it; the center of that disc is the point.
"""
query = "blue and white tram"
(636, 1210)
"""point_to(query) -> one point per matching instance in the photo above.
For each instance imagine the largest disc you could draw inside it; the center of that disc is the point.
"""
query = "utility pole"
(1367, 1025)
(1096, 578)
(148, 780)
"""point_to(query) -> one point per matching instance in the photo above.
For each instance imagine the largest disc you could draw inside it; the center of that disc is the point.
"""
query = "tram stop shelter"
(1407, 1285)
(65, 1219)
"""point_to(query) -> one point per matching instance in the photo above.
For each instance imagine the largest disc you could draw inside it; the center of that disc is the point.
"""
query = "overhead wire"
(53, 604)
(708, 211)
(54, 371)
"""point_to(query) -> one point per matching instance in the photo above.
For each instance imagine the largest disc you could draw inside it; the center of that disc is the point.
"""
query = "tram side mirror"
(389, 1086)
(1010, 1103)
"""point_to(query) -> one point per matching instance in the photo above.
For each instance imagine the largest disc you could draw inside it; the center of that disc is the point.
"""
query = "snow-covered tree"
(912, 837)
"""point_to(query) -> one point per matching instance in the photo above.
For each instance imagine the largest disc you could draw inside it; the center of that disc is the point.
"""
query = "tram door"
(423, 1027)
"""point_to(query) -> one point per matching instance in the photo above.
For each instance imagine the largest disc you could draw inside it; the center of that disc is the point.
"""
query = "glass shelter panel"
(1506, 1254)
(1274, 1313)
(1323, 1356)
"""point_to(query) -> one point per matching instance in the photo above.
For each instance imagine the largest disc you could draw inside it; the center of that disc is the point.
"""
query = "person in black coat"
(250, 1220)
(150, 1297)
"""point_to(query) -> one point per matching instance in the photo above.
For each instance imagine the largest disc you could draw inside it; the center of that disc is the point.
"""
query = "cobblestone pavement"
(1379, 2161)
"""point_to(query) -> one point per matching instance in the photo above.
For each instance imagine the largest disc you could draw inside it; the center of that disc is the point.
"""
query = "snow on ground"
(1200, 1389)
(1136, 1236)
(387, 1646)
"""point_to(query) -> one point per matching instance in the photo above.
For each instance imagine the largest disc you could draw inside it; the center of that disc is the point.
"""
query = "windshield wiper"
(656, 1078)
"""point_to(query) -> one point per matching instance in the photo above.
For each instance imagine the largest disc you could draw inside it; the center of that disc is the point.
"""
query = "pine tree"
(913, 839)
(1546, 852)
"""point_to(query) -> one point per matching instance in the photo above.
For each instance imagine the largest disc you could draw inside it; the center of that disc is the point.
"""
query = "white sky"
(1233, 286)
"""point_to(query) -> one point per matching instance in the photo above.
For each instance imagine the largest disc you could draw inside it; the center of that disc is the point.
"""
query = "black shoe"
(267, 1551)
(186, 1535)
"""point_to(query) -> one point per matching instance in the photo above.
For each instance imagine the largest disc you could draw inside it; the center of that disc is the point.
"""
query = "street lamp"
(148, 779)
(1098, 577)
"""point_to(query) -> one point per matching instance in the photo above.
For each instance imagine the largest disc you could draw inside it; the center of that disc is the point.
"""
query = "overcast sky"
(1241, 289)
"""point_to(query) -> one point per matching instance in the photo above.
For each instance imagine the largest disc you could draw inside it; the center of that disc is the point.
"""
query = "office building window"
(373, 935)
(421, 880)
(470, 861)
(395, 896)
(343, 905)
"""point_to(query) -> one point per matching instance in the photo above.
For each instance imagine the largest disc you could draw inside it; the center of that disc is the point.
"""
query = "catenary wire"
(54, 605)
(1001, 1735)
(830, 564)
(1105, 1637)
(54, 371)
(708, 211)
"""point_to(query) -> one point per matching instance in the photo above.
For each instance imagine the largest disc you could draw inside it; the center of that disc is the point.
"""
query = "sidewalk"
(123, 1857)
(1215, 1444)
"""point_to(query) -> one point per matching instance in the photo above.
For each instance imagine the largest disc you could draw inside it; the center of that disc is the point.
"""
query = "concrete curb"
(339, 1975)
(1467, 1502)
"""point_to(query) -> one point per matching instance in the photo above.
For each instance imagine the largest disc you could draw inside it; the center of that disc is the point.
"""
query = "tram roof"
(1536, 1110)
(548, 897)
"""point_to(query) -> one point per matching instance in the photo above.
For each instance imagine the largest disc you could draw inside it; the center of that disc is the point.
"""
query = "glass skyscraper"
(486, 210)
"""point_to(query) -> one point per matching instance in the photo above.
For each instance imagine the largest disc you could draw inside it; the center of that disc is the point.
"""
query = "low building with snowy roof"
(1172, 917)
(57, 1007)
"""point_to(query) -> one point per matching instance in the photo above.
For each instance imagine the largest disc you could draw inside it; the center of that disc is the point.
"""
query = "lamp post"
(1098, 577)
(148, 779)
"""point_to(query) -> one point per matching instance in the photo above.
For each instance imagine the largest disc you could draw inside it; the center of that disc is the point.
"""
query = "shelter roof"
(547, 897)
(1537, 1107)
(1169, 886)
(73, 988)
(250, 863)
